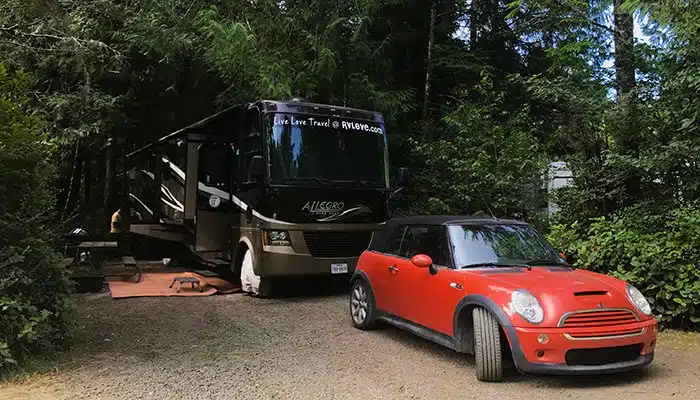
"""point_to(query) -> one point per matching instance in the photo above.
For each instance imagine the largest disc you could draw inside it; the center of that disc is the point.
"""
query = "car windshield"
(310, 149)
(501, 244)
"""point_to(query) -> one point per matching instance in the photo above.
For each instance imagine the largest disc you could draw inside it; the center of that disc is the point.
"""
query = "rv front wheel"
(250, 282)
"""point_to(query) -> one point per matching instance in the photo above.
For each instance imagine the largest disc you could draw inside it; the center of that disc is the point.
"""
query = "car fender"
(359, 274)
(483, 301)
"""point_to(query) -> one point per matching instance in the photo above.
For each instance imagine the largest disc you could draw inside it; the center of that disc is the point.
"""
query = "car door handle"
(393, 268)
(455, 285)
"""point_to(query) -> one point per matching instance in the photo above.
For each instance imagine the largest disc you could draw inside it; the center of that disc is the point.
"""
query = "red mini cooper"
(497, 289)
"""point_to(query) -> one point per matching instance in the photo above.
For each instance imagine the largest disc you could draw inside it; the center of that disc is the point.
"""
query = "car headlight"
(527, 306)
(277, 238)
(638, 299)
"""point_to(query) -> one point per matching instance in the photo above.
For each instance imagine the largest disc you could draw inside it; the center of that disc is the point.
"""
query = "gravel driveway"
(238, 347)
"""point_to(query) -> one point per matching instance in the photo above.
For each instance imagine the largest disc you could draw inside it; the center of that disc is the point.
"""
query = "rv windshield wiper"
(324, 181)
(495, 264)
(358, 181)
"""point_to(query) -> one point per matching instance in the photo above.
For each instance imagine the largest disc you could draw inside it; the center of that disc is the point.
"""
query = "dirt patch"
(235, 346)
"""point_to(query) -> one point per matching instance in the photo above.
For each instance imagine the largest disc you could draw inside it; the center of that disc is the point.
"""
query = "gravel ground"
(238, 347)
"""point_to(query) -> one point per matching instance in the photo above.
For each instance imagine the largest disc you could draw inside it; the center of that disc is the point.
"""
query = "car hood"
(559, 290)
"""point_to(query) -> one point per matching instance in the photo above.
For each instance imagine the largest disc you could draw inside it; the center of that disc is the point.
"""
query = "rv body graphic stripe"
(223, 195)
(141, 203)
(360, 210)
(164, 189)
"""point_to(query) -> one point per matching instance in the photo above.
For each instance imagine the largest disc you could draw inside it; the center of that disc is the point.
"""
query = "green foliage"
(527, 82)
(489, 158)
(34, 287)
(654, 247)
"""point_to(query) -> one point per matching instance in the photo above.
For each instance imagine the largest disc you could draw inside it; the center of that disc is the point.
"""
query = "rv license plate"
(339, 268)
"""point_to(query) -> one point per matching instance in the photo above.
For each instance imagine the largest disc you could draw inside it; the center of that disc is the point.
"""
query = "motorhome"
(270, 189)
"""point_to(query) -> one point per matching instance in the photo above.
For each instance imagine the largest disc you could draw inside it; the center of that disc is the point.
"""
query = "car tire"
(362, 310)
(487, 346)
(251, 283)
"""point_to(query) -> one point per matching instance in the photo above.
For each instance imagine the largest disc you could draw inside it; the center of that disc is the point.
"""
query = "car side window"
(394, 241)
(430, 240)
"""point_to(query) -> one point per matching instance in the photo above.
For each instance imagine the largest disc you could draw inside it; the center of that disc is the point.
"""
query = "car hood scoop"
(591, 293)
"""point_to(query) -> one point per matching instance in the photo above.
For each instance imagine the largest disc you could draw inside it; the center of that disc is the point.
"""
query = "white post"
(560, 176)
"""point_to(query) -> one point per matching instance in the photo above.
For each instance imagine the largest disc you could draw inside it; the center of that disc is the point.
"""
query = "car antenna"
(485, 202)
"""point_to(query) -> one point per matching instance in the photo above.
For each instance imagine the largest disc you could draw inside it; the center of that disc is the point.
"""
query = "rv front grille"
(337, 244)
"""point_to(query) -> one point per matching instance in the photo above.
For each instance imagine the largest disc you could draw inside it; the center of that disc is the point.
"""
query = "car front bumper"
(583, 350)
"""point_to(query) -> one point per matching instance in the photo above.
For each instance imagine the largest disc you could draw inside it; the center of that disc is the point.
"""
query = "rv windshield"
(311, 149)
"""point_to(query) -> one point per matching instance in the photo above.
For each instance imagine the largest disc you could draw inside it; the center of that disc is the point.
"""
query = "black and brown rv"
(269, 189)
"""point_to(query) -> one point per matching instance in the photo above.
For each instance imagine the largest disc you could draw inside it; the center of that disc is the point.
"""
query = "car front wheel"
(362, 305)
(487, 346)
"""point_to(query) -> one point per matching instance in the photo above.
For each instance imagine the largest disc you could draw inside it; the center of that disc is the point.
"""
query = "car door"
(383, 271)
(429, 300)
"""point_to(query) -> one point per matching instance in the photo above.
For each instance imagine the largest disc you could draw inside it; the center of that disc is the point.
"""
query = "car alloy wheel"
(361, 305)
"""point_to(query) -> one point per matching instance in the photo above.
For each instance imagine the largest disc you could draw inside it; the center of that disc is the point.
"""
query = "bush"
(654, 247)
(34, 287)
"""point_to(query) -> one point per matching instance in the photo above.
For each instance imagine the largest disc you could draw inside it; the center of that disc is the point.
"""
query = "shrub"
(654, 247)
(34, 287)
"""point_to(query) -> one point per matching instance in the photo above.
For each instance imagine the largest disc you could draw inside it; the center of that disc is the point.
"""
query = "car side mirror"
(567, 257)
(424, 261)
(257, 168)
(402, 176)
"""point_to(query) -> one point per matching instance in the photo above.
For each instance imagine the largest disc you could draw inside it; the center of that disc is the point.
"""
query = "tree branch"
(80, 42)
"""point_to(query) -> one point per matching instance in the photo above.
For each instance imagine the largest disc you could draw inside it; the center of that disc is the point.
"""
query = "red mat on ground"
(156, 284)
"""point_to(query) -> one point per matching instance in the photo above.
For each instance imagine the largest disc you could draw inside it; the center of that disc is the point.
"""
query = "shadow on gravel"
(431, 349)
(301, 288)
(593, 381)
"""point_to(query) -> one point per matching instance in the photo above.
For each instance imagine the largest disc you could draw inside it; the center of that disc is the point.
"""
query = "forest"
(479, 97)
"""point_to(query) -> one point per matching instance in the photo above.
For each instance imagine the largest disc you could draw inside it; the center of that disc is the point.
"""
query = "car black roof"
(380, 238)
(451, 220)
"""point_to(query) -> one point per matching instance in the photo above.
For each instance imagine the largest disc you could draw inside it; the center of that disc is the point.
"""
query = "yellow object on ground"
(116, 222)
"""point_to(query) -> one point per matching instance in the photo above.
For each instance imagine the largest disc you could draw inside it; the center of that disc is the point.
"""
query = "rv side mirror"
(402, 176)
(257, 167)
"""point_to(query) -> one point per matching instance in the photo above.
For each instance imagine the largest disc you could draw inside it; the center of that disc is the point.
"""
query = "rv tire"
(252, 283)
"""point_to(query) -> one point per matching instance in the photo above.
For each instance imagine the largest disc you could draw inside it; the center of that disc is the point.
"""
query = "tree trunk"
(429, 61)
(87, 175)
(624, 50)
(109, 166)
(472, 25)
(627, 135)
(72, 183)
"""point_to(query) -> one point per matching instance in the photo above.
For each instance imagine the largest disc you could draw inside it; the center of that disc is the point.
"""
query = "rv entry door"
(214, 173)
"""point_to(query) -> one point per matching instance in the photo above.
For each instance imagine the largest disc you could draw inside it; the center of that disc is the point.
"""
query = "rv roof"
(317, 108)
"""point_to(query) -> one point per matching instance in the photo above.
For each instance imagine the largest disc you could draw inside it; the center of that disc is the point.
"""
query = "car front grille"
(603, 355)
(337, 244)
(598, 318)
(604, 334)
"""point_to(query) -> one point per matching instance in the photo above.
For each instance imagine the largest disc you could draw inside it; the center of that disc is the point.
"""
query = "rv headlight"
(277, 238)
(638, 299)
(527, 306)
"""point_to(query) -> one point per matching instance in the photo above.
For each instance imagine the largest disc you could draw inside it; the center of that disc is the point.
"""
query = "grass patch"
(31, 368)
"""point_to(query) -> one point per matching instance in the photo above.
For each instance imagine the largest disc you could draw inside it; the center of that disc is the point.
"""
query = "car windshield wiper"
(496, 265)
(549, 262)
